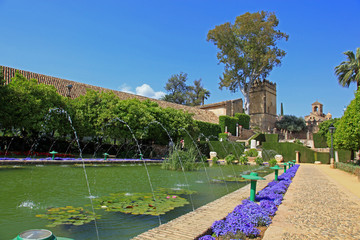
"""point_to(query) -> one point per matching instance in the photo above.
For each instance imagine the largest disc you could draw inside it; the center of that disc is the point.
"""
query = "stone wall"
(79, 89)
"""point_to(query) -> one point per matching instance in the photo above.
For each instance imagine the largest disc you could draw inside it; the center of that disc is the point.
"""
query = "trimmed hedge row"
(319, 141)
(229, 122)
(288, 151)
(243, 120)
(271, 137)
(208, 129)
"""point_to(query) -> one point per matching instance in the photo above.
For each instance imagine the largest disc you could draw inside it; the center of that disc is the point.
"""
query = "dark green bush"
(259, 161)
(243, 160)
(229, 158)
(272, 162)
(243, 120)
(223, 136)
(251, 153)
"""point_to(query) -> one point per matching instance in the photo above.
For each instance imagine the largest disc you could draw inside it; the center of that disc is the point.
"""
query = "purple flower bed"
(246, 217)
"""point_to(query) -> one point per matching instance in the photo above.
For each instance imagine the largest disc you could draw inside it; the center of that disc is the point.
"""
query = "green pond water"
(27, 191)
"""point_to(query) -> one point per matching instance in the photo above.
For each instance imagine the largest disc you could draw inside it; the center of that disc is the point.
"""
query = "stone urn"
(213, 154)
(279, 158)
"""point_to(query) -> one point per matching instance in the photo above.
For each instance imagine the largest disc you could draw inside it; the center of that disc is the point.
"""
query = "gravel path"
(316, 207)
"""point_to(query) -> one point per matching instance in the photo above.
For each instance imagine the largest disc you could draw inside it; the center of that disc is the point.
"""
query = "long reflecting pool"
(27, 191)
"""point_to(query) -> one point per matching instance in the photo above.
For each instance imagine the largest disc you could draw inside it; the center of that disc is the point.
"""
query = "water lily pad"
(140, 203)
(175, 191)
(68, 215)
(228, 179)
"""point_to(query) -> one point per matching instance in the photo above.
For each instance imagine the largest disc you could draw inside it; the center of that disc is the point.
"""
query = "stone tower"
(263, 105)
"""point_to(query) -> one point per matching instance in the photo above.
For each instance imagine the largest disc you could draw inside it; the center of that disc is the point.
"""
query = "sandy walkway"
(321, 203)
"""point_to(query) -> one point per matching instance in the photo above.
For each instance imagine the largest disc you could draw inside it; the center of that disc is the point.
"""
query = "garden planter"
(210, 162)
(222, 162)
(251, 160)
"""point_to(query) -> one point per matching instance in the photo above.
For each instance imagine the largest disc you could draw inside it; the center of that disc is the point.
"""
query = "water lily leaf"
(228, 179)
(141, 203)
(68, 215)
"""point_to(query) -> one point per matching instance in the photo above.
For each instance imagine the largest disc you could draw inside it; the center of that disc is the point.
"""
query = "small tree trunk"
(246, 104)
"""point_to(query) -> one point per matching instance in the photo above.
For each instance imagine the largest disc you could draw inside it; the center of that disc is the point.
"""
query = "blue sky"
(137, 45)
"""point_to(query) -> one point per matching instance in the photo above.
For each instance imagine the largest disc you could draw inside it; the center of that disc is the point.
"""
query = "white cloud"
(125, 88)
(143, 90)
(146, 91)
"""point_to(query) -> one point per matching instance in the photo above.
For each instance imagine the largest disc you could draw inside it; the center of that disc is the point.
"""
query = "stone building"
(228, 108)
(262, 105)
(316, 117)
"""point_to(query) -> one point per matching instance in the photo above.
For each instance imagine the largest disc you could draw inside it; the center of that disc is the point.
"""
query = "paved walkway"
(195, 223)
(321, 203)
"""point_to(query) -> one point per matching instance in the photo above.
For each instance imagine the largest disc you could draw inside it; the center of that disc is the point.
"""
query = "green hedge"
(230, 122)
(222, 148)
(319, 141)
(243, 120)
(208, 129)
(288, 151)
(271, 137)
(258, 137)
(344, 155)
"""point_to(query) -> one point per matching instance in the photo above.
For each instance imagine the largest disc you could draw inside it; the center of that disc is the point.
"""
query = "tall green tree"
(248, 49)
(181, 93)
(177, 89)
(198, 93)
(349, 71)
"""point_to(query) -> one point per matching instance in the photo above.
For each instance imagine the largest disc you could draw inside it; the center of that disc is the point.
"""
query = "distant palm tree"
(349, 71)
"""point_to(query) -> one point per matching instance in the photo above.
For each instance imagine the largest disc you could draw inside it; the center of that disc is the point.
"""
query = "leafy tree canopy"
(324, 126)
(27, 104)
(347, 133)
(291, 123)
(248, 50)
(179, 92)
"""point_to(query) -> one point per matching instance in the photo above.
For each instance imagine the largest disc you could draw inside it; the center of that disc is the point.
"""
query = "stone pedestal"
(332, 165)
(297, 155)
(253, 144)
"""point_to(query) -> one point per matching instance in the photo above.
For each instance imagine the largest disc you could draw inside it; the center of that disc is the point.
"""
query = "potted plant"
(251, 155)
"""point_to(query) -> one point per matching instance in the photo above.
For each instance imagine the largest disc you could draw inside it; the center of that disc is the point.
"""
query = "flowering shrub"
(245, 218)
